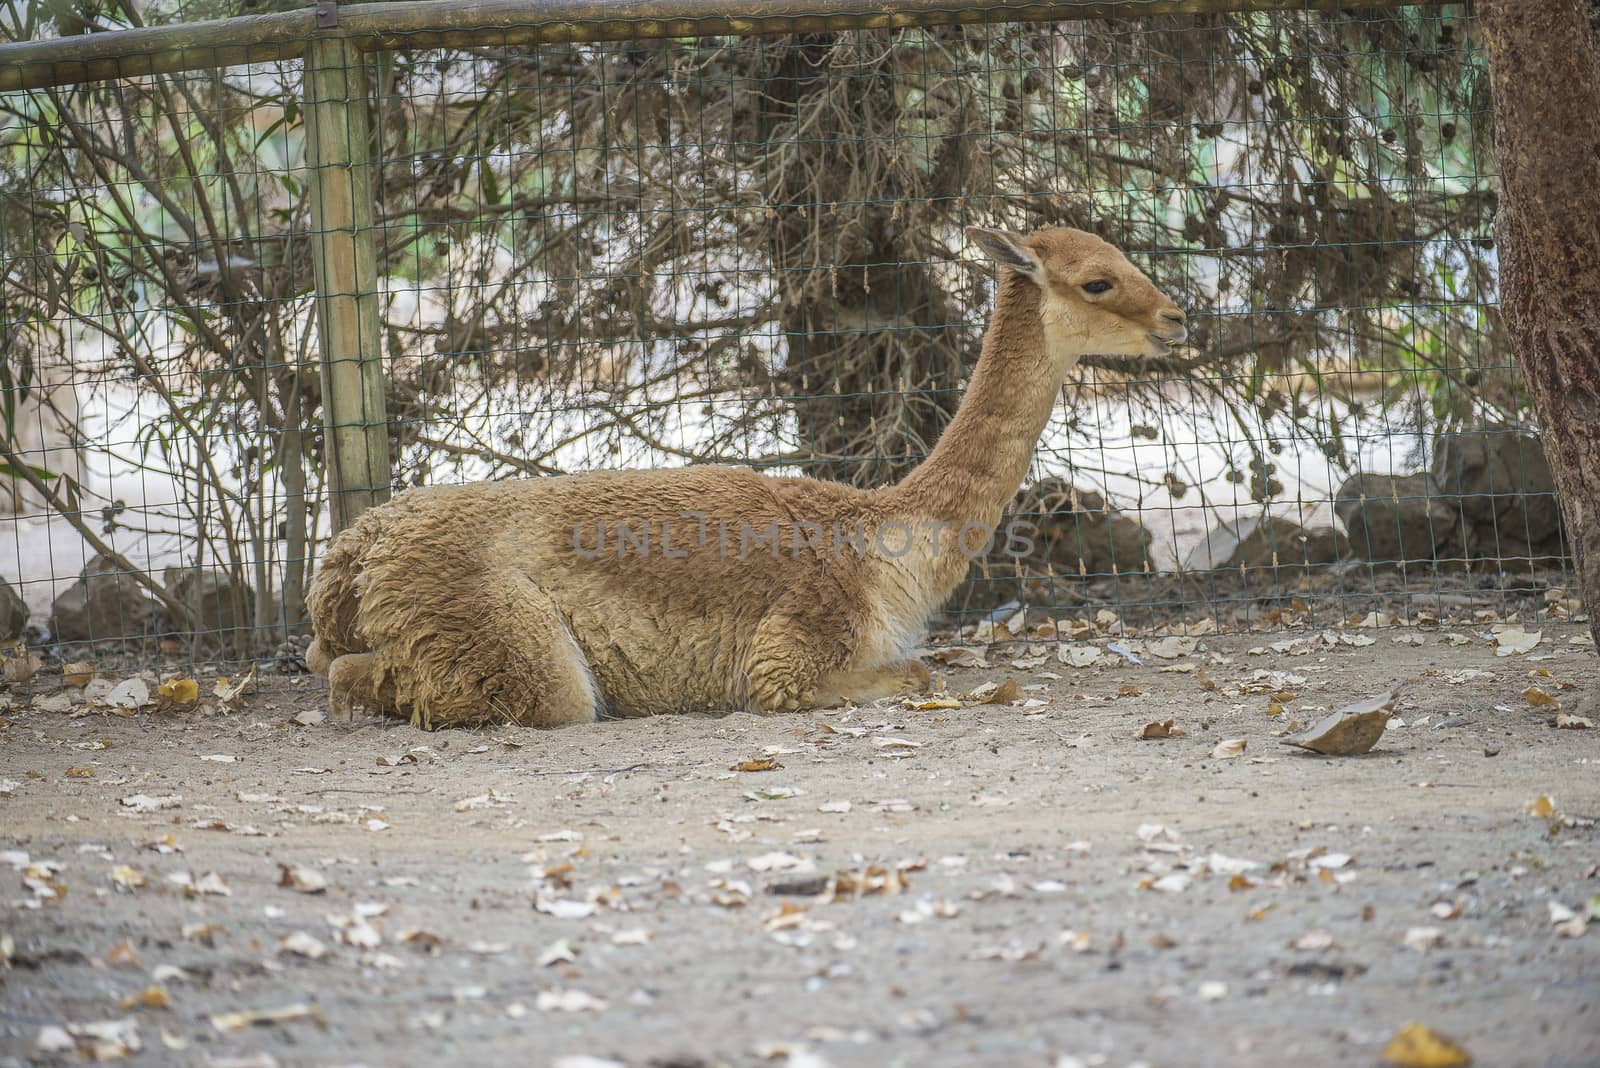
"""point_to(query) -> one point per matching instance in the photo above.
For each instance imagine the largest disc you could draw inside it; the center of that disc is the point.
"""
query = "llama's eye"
(1099, 285)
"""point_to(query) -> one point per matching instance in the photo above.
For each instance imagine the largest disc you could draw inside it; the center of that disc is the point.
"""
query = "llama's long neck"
(984, 453)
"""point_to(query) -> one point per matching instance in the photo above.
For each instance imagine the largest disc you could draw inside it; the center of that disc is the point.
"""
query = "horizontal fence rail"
(466, 23)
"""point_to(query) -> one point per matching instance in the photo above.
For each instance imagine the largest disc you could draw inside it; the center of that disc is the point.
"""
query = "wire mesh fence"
(749, 249)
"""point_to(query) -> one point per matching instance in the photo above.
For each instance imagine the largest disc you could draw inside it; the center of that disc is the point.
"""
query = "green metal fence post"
(345, 254)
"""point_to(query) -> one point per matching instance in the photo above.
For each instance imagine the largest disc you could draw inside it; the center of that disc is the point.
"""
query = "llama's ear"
(1007, 250)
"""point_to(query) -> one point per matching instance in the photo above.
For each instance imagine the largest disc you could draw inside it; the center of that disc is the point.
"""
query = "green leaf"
(488, 184)
(10, 470)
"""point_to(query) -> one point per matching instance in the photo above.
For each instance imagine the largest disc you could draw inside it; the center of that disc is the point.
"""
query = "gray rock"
(1060, 532)
(1396, 519)
(1270, 544)
(222, 611)
(13, 613)
(1078, 534)
(1502, 484)
(104, 604)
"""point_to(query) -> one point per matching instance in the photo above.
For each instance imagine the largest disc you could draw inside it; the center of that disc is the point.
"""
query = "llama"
(632, 593)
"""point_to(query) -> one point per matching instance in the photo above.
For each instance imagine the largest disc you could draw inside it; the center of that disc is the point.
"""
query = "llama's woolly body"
(441, 582)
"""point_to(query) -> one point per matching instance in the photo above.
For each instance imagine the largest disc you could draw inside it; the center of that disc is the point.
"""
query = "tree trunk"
(1544, 73)
(873, 365)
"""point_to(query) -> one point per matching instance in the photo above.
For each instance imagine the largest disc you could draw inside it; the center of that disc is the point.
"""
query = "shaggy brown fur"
(640, 592)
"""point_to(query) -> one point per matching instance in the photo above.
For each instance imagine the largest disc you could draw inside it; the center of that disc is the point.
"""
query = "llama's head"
(1093, 299)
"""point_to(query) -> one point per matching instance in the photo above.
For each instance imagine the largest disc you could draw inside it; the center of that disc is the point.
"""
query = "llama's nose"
(1174, 316)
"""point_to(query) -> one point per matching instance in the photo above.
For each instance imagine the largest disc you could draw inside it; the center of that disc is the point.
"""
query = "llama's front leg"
(895, 680)
(782, 679)
(350, 684)
(506, 656)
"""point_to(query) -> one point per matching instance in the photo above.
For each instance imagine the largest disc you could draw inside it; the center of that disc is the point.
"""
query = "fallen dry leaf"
(209, 883)
(757, 764)
(123, 955)
(560, 952)
(151, 997)
(1422, 939)
(127, 878)
(1573, 723)
(568, 1001)
(1010, 954)
(1078, 656)
(356, 929)
(1416, 1046)
(107, 1040)
(1539, 698)
(1083, 941)
(1163, 729)
(17, 662)
(238, 1021)
(1314, 941)
(1230, 747)
(959, 656)
(230, 693)
(79, 673)
(1513, 639)
(302, 944)
(778, 861)
(563, 908)
(493, 799)
(1350, 730)
(1171, 648)
(870, 882)
(165, 844)
(305, 880)
(1005, 693)
(424, 940)
(1543, 806)
(179, 690)
(132, 694)
(146, 803)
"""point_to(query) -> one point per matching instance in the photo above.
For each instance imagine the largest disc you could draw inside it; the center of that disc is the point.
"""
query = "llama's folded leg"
(560, 689)
(503, 655)
(786, 661)
(351, 684)
(318, 659)
(895, 680)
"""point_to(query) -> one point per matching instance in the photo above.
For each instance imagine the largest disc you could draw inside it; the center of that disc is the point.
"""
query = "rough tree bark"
(1544, 73)
(873, 363)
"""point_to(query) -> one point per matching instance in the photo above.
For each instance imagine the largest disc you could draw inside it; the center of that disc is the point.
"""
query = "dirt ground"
(995, 884)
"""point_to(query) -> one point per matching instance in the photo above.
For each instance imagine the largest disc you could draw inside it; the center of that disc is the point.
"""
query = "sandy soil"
(1069, 895)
